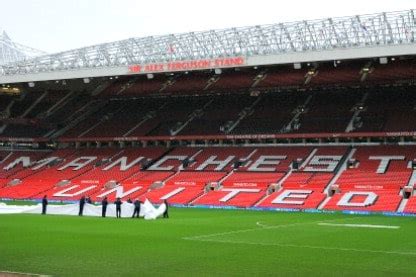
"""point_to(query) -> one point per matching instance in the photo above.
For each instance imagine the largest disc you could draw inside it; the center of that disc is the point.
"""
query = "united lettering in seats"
(265, 163)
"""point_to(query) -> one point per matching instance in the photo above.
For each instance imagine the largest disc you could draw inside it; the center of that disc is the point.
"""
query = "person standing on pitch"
(118, 207)
(166, 213)
(44, 204)
(104, 204)
(81, 205)
(136, 208)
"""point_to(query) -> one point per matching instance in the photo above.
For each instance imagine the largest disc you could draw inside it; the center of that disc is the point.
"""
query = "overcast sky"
(58, 25)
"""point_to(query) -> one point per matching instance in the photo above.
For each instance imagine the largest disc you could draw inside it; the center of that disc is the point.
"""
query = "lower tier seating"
(307, 180)
(293, 199)
(366, 178)
(411, 205)
(237, 197)
(26, 190)
(125, 192)
(195, 178)
(174, 194)
(374, 201)
(252, 179)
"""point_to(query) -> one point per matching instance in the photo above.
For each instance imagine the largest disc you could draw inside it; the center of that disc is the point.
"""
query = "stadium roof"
(361, 36)
(12, 52)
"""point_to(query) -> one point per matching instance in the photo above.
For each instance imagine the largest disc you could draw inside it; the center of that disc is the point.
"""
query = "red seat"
(293, 199)
(244, 197)
(386, 201)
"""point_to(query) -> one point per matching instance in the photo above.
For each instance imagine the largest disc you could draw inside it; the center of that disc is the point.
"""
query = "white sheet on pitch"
(147, 210)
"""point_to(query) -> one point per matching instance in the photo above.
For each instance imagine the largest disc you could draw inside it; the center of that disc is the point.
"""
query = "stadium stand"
(332, 134)
(271, 114)
(188, 83)
(240, 109)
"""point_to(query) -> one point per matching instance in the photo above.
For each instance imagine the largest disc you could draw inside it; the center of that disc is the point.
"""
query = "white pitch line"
(23, 273)
(250, 230)
(264, 227)
(208, 238)
(310, 247)
(258, 223)
(360, 225)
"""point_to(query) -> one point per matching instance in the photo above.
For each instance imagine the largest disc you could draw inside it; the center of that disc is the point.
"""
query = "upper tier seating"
(221, 103)
(285, 77)
(188, 83)
(144, 86)
(330, 113)
(271, 114)
(218, 112)
(234, 80)
(389, 110)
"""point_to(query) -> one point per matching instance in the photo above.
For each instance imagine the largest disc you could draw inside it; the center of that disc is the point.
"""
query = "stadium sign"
(187, 65)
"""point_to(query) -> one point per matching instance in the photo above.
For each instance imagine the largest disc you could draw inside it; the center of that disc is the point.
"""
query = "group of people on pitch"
(104, 203)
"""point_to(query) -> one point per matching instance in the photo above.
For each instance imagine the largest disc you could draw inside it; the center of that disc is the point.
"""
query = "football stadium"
(286, 149)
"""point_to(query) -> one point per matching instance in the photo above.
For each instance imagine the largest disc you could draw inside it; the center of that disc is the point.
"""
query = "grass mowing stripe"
(289, 243)
(308, 246)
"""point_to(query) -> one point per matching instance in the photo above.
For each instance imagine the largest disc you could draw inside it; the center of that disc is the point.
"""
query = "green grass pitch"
(207, 242)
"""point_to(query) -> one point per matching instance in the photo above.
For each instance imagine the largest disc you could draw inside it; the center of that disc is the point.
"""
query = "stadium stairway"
(293, 125)
(195, 114)
(243, 114)
(62, 102)
(352, 125)
(79, 116)
(37, 101)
